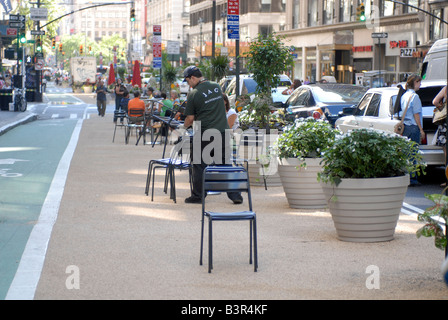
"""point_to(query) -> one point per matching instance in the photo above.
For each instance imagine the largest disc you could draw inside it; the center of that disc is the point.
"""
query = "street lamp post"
(224, 18)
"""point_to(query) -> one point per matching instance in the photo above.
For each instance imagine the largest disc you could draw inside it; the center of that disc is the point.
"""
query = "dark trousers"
(413, 133)
(199, 163)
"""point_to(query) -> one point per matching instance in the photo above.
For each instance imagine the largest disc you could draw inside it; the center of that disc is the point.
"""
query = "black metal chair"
(224, 179)
(136, 120)
(120, 115)
(178, 160)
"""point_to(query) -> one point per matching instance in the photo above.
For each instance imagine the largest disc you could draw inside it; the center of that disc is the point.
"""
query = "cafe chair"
(120, 115)
(136, 120)
(227, 179)
(178, 160)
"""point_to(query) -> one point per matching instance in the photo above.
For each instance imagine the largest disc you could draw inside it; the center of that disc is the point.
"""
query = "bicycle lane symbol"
(5, 172)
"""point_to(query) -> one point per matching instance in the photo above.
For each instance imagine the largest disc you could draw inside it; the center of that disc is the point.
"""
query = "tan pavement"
(127, 247)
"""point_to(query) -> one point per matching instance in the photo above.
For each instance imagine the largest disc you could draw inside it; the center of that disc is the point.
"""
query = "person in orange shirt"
(136, 106)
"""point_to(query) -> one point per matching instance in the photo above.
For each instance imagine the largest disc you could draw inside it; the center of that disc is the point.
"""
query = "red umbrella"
(136, 78)
(111, 75)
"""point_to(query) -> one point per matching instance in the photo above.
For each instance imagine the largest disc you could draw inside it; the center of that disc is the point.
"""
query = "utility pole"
(38, 92)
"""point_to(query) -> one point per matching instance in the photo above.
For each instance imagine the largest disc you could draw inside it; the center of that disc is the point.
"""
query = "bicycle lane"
(34, 161)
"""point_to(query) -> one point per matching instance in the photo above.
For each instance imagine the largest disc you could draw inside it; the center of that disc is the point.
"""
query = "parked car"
(375, 110)
(224, 82)
(322, 100)
(249, 86)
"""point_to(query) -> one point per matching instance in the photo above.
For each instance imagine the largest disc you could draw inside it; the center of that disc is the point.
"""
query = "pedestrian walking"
(205, 107)
(101, 91)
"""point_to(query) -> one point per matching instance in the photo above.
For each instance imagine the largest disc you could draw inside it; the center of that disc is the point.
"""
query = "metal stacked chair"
(226, 179)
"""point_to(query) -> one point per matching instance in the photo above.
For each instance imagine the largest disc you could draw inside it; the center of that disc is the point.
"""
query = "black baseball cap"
(190, 71)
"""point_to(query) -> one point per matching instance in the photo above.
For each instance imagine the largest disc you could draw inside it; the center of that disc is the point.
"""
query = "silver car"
(375, 110)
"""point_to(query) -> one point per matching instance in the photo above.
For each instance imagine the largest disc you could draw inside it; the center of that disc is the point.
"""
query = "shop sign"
(399, 41)
(407, 52)
(362, 49)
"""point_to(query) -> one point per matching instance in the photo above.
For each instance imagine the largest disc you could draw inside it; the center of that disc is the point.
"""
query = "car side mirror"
(348, 111)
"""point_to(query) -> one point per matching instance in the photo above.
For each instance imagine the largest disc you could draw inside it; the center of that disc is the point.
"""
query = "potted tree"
(365, 176)
(268, 57)
(300, 149)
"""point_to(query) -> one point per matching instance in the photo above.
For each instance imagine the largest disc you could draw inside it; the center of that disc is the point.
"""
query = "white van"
(435, 63)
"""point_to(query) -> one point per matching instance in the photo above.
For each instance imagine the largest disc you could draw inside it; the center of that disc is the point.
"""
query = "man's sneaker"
(193, 199)
(238, 200)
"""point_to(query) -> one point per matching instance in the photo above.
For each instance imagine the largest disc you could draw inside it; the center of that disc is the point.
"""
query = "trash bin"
(5, 98)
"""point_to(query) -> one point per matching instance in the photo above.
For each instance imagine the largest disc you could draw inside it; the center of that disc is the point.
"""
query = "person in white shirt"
(232, 116)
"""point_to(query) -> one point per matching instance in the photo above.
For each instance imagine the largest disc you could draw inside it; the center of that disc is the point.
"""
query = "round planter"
(300, 184)
(78, 90)
(256, 176)
(366, 210)
(251, 153)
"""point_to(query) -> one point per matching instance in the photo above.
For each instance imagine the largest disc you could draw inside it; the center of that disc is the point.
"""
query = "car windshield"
(338, 94)
(249, 86)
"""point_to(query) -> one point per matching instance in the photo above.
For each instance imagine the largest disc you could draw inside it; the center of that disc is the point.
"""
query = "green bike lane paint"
(34, 161)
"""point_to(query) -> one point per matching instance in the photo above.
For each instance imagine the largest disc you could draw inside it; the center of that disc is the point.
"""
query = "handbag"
(399, 127)
(439, 116)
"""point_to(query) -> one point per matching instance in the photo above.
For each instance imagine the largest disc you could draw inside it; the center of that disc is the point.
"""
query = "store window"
(312, 13)
(296, 14)
(345, 10)
(436, 27)
(328, 13)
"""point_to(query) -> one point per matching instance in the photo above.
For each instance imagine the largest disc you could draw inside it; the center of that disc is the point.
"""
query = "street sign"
(40, 63)
(233, 19)
(17, 17)
(377, 35)
(157, 63)
(11, 32)
(38, 14)
(233, 27)
(17, 24)
(37, 32)
(173, 47)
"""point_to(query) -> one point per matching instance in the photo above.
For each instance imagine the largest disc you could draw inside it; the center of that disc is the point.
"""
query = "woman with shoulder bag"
(413, 119)
(440, 103)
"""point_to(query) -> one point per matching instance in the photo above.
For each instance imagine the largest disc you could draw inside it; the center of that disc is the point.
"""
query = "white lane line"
(24, 284)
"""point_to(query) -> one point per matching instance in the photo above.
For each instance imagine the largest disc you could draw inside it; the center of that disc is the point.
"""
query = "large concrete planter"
(300, 183)
(366, 210)
(257, 172)
(87, 89)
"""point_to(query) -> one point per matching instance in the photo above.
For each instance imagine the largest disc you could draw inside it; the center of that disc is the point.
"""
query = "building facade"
(327, 39)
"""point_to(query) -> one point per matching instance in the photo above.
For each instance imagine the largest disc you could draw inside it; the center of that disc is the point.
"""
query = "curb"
(26, 119)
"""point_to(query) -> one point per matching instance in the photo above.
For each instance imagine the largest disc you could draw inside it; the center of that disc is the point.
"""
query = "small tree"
(220, 66)
(268, 57)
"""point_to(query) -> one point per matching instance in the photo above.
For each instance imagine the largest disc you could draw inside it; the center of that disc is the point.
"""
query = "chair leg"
(210, 246)
(250, 241)
(148, 178)
(115, 129)
(255, 245)
(202, 240)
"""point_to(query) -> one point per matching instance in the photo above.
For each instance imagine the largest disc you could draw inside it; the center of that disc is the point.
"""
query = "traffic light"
(22, 38)
(53, 43)
(80, 49)
(132, 14)
(60, 47)
(360, 13)
(38, 45)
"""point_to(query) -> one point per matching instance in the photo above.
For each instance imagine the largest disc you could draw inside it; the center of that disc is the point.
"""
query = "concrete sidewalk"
(11, 119)
(116, 244)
